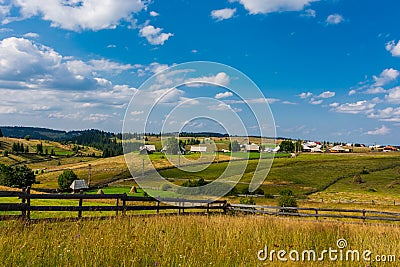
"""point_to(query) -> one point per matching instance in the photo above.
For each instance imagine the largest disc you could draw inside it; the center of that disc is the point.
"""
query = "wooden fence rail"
(157, 205)
(316, 212)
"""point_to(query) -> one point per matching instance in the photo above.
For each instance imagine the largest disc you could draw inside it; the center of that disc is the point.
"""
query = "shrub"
(5, 153)
(247, 201)
(286, 192)
(372, 190)
(65, 179)
(357, 179)
(166, 187)
(287, 201)
(364, 171)
(268, 195)
(259, 191)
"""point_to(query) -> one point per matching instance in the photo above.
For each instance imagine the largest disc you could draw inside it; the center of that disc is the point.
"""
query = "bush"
(357, 179)
(287, 201)
(16, 176)
(364, 171)
(5, 153)
(259, 191)
(269, 196)
(247, 201)
(65, 179)
(286, 192)
(166, 187)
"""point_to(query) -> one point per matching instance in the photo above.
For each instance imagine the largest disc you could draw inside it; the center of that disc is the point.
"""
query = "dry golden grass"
(185, 241)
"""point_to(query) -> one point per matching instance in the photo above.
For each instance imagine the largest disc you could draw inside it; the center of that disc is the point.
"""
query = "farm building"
(147, 149)
(337, 149)
(198, 149)
(78, 185)
(389, 149)
(252, 148)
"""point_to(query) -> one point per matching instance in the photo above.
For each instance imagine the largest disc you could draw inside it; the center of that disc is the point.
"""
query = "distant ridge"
(34, 133)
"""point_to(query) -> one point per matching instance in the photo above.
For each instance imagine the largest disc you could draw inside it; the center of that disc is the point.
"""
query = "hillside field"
(219, 240)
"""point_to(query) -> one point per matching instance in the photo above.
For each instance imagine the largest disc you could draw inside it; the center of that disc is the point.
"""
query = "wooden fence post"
(208, 208)
(124, 205)
(80, 205)
(23, 201)
(158, 206)
(116, 204)
(28, 203)
(316, 213)
(363, 212)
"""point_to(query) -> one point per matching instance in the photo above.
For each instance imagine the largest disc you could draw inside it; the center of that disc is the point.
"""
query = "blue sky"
(329, 68)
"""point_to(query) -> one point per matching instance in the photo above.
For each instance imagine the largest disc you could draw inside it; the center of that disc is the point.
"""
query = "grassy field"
(189, 241)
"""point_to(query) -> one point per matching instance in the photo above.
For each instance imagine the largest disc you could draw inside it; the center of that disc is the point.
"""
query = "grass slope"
(186, 241)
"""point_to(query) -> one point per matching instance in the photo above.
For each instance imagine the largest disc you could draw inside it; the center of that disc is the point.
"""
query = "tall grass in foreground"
(185, 241)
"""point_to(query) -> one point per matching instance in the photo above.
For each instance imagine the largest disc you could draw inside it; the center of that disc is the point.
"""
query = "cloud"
(31, 35)
(327, 94)
(223, 14)
(80, 15)
(375, 90)
(394, 95)
(309, 13)
(389, 114)
(393, 48)
(220, 107)
(334, 19)
(29, 65)
(334, 104)
(316, 102)
(305, 95)
(358, 107)
(95, 65)
(270, 6)
(352, 92)
(221, 79)
(379, 131)
(387, 76)
(154, 36)
(223, 95)
(154, 14)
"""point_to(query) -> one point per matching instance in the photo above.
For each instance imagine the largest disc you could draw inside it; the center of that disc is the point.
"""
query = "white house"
(149, 148)
(276, 149)
(252, 148)
(198, 149)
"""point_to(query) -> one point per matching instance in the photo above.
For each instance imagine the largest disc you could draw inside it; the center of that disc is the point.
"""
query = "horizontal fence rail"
(317, 212)
(123, 203)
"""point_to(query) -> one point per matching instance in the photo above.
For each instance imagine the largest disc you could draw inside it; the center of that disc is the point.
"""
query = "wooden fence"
(317, 213)
(123, 203)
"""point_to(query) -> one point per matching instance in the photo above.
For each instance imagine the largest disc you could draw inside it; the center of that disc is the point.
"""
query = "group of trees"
(234, 146)
(40, 151)
(65, 179)
(105, 141)
(16, 176)
(19, 148)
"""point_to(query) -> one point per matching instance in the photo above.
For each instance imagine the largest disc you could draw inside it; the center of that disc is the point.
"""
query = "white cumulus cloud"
(78, 15)
(393, 48)
(379, 131)
(222, 14)
(394, 95)
(223, 95)
(154, 35)
(270, 6)
(327, 94)
(358, 107)
(334, 19)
